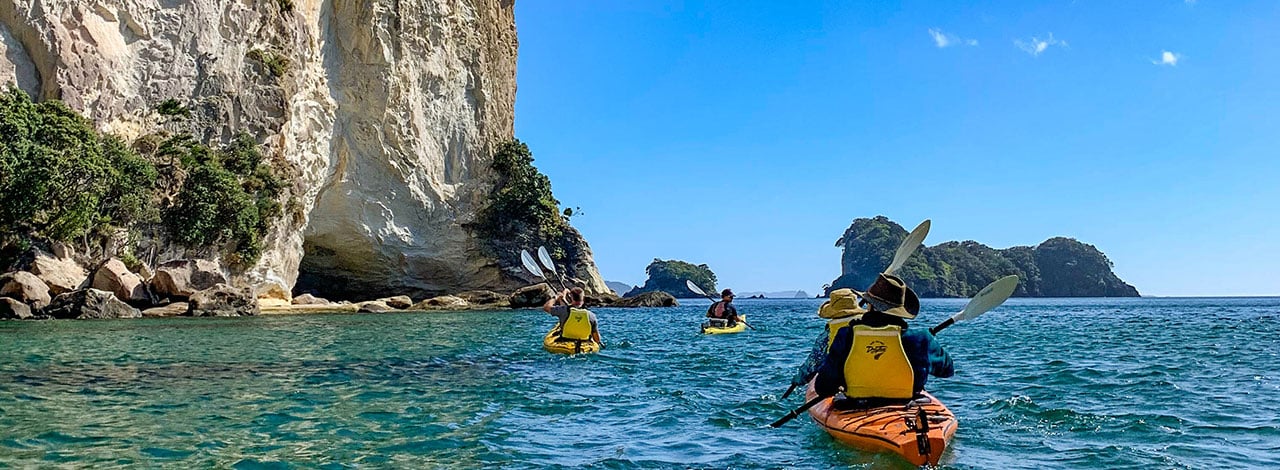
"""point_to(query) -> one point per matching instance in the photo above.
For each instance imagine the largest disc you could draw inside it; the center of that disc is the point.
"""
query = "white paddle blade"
(988, 298)
(908, 246)
(529, 264)
(545, 258)
(694, 287)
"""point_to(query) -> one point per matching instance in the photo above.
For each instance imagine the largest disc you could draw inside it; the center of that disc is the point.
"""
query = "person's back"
(877, 356)
(575, 322)
(724, 311)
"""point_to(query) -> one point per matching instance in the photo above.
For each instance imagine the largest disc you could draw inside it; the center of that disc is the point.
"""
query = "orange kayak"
(898, 429)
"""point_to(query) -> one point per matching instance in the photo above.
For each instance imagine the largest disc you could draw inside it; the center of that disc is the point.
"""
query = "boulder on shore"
(648, 299)
(223, 301)
(486, 298)
(25, 287)
(90, 304)
(62, 275)
(444, 302)
(398, 302)
(181, 278)
(113, 276)
(607, 299)
(12, 309)
(308, 299)
(531, 296)
(374, 306)
(171, 310)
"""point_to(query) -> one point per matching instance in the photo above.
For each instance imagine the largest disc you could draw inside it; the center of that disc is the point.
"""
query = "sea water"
(1040, 383)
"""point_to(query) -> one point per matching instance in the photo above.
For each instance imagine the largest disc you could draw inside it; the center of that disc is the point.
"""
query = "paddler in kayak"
(576, 323)
(875, 357)
(723, 314)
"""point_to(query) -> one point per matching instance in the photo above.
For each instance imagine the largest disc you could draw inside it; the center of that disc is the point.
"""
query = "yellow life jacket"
(834, 326)
(577, 325)
(877, 365)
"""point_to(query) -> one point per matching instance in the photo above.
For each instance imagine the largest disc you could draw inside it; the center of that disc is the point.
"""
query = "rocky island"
(1058, 267)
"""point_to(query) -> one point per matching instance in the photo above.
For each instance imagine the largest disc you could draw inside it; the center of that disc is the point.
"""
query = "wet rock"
(399, 301)
(181, 278)
(13, 309)
(113, 276)
(484, 297)
(374, 306)
(308, 299)
(171, 310)
(444, 302)
(531, 296)
(601, 300)
(25, 287)
(648, 299)
(90, 304)
(61, 275)
(223, 301)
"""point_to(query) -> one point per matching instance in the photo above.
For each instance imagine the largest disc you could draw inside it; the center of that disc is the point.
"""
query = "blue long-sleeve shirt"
(923, 351)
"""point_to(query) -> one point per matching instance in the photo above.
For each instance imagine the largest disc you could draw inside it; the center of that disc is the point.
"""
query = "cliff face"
(1058, 267)
(387, 111)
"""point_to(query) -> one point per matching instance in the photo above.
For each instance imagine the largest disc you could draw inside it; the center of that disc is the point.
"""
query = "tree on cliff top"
(669, 276)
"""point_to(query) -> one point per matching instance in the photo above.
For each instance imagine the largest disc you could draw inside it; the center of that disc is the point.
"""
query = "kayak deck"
(554, 343)
(895, 429)
(740, 327)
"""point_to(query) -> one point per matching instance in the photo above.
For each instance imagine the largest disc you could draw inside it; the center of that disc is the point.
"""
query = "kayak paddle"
(697, 290)
(908, 246)
(545, 258)
(988, 298)
(532, 267)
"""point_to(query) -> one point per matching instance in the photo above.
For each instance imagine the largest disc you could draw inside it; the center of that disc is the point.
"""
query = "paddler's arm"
(940, 364)
(817, 354)
(831, 373)
(551, 302)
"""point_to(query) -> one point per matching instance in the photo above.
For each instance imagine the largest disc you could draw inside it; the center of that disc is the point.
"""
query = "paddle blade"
(545, 258)
(908, 246)
(988, 298)
(530, 264)
(694, 287)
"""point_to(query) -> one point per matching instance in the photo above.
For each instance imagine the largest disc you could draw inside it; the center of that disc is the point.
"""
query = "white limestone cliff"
(387, 113)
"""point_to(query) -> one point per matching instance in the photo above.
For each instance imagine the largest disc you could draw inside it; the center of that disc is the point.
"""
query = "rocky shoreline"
(58, 286)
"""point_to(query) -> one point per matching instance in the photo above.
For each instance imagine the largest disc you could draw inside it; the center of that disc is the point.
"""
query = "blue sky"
(748, 135)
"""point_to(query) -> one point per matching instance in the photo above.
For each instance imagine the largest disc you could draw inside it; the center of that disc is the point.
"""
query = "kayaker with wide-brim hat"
(877, 356)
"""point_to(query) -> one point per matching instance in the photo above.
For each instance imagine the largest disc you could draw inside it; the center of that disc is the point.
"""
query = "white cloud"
(1168, 58)
(942, 39)
(1035, 46)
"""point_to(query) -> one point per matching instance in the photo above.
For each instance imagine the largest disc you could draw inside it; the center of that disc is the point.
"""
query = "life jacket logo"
(877, 348)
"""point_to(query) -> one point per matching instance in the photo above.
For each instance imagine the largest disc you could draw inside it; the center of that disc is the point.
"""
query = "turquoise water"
(1054, 383)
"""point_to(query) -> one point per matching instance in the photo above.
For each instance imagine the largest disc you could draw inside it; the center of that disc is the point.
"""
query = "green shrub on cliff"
(522, 212)
(60, 179)
(670, 275)
(228, 196)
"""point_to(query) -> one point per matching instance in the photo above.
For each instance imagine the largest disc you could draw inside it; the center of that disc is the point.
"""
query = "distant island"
(785, 294)
(619, 287)
(670, 275)
(1058, 267)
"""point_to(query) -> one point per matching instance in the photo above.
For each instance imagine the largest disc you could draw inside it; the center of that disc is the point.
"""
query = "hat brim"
(904, 311)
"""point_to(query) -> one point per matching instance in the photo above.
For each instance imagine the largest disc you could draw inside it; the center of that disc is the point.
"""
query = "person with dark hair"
(576, 323)
(723, 313)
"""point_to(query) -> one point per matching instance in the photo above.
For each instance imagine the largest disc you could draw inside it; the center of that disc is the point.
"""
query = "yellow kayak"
(740, 327)
(554, 343)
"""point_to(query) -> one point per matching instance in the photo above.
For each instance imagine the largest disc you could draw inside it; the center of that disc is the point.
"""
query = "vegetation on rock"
(670, 275)
(523, 213)
(1059, 267)
(61, 180)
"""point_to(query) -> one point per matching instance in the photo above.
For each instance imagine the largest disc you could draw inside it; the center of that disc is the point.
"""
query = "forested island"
(1058, 267)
